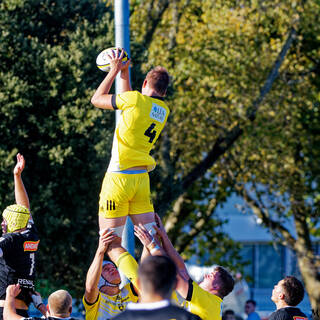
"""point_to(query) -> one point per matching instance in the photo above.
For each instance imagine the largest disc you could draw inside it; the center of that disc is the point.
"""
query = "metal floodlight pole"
(122, 40)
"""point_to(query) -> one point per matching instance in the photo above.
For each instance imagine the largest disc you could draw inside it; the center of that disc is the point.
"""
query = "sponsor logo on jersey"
(299, 318)
(25, 283)
(158, 113)
(31, 245)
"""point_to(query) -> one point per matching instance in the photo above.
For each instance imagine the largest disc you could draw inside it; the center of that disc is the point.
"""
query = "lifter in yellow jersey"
(126, 188)
(104, 298)
(203, 299)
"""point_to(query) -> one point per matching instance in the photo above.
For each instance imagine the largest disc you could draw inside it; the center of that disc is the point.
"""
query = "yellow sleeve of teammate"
(129, 267)
(204, 304)
(125, 100)
(91, 309)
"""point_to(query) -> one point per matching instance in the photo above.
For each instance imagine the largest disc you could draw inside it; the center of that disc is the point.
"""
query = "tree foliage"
(245, 109)
(48, 50)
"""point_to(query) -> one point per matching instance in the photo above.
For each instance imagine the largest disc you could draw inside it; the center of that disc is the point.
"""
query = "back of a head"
(226, 281)
(252, 302)
(157, 275)
(158, 79)
(228, 315)
(60, 303)
(293, 291)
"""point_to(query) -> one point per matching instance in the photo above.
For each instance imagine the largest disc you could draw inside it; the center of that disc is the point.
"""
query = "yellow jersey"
(106, 307)
(140, 124)
(202, 303)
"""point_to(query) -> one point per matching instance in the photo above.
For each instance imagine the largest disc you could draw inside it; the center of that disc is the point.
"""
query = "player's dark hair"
(229, 311)
(252, 302)
(159, 79)
(293, 291)
(226, 280)
(158, 274)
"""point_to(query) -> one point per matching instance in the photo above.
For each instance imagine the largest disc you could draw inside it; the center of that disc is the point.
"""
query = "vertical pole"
(122, 40)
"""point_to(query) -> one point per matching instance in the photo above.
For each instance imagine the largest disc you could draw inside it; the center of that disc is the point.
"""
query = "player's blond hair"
(60, 303)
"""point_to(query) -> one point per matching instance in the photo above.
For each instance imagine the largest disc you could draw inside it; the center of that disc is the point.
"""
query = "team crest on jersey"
(158, 113)
(31, 245)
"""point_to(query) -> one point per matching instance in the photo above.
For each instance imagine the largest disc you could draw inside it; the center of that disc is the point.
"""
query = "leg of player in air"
(126, 189)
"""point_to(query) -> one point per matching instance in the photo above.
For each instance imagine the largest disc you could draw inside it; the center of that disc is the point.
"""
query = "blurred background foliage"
(219, 55)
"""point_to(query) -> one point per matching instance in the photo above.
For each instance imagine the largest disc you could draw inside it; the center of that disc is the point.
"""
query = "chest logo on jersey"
(31, 245)
(25, 283)
(158, 113)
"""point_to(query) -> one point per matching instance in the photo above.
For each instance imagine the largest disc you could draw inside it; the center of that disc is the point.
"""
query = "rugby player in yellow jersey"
(203, 299)
(126, 188)
(103, 298)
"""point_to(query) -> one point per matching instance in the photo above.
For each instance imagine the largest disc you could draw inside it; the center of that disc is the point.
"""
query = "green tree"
(242, 71)
(48, 51)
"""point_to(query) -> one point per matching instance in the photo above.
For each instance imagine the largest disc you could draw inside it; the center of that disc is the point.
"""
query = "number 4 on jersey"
(150, 132)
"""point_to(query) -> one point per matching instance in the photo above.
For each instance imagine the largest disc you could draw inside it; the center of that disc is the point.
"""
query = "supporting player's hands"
(13, 290)
(159, 226)
(143, 235)
(19, 165)
(107, 236)
(116, 63)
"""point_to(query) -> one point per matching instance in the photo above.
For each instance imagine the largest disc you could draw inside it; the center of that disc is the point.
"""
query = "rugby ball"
(103, 61)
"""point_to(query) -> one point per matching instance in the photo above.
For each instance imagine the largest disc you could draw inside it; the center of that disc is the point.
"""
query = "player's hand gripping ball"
(103, 61)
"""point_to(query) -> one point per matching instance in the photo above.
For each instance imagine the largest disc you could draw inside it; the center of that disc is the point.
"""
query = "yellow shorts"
(125, 194)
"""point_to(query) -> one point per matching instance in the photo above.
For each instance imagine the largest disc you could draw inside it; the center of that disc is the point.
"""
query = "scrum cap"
(16, 216)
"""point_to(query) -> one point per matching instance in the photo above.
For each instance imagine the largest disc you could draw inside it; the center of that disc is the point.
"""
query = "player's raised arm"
(20, 192)
(94, 272)
(183, 276)
(167, 245)
(101, 98)
(9, 311)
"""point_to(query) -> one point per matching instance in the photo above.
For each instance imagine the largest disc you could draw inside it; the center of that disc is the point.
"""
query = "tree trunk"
(311, 280)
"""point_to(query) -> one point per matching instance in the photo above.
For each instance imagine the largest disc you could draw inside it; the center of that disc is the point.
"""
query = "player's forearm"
(145, 254)
(94, 273)
(182, 286)
(20, 192)
(100, 98)
(125, 84)
(9, 311)
(42, 308)
(114, 251)
(172, 252)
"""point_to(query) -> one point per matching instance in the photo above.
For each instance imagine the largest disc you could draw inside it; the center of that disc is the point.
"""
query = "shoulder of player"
(178, 309)
(6, 238)
(295, 312)
(132, 95)
(198, 290)
(283, 314)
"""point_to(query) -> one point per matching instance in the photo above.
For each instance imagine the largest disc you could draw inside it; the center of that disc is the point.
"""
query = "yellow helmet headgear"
(16, 216)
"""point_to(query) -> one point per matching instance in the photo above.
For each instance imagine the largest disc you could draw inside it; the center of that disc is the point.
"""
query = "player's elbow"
(94, 101)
